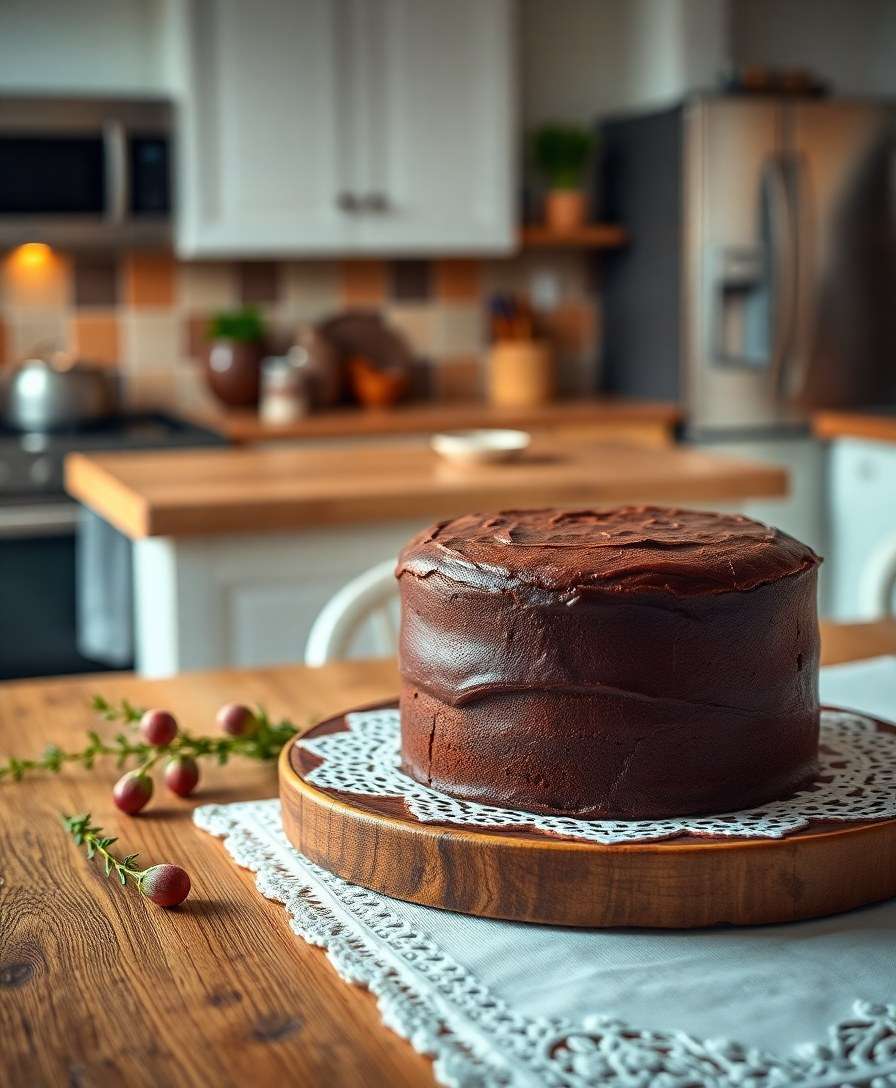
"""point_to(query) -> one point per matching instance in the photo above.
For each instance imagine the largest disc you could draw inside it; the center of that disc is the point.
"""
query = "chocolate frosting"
(631, 548)
(633, 663)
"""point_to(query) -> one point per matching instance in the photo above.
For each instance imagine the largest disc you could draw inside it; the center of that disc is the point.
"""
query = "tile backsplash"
(148, 313)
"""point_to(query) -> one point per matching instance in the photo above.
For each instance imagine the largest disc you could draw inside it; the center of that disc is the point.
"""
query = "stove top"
(31, 464)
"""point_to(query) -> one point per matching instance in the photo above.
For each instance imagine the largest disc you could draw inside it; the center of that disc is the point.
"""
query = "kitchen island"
(235, 551)
(98, 987)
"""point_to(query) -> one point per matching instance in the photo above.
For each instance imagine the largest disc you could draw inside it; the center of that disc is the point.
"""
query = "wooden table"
(98, 987)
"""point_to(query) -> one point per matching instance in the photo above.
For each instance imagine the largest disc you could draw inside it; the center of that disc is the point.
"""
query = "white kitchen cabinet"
(345, 126)
(437, 126)
(862, 498)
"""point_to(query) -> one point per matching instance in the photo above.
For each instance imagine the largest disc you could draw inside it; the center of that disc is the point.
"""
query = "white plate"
(480, 447)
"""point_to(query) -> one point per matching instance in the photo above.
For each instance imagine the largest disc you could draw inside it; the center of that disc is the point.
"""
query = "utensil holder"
(520, 373)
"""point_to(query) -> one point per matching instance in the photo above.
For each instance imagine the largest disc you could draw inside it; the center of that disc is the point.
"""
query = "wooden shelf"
(592, 236)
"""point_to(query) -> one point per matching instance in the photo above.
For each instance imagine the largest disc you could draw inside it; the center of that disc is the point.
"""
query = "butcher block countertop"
(203, 492)
(647, 417)
(98, 987)
(876, 425)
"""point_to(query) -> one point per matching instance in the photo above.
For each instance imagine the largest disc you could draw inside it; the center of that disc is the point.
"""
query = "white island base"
(247, 600)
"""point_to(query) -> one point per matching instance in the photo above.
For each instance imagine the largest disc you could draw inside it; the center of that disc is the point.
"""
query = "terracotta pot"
(375, 388)
(233, 372)
(564, 209)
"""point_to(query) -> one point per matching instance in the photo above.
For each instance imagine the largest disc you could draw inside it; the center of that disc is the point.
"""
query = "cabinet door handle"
(376, 202)
(348, 202)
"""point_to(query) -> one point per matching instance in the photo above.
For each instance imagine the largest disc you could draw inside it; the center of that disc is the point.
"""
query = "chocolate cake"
(631, 663)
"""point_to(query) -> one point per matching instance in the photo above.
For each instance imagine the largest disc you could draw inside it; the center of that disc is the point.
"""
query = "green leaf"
(561, 153)
(244, 325)
(122, 877)
(108, 865)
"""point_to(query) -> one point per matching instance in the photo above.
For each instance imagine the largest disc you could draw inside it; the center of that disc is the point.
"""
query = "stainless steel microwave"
(85, 172)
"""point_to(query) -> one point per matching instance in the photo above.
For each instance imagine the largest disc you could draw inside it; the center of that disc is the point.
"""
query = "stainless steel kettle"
(49, 394)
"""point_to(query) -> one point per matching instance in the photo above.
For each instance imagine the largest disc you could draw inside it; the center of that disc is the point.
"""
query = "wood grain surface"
(532, 876)
(875, 426)
(190, 492)
(649, 421)
(98, 987)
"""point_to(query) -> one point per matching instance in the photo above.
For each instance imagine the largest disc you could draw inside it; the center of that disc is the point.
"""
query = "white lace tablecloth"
(811, 1004)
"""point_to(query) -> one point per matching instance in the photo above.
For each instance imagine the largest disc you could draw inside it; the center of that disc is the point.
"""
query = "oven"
(51, 570)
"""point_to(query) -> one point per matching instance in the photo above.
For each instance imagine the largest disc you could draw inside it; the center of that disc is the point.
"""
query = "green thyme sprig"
(166, 885)
(263, 743)
(90, 835)
(124, 711)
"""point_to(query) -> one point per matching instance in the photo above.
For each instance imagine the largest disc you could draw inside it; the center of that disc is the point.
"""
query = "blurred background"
(250, 251)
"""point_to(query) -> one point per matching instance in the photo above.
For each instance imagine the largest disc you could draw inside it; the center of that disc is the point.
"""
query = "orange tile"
(364, 283)
(457, 280)
(458, 378)
(149, 279)
(95, 336)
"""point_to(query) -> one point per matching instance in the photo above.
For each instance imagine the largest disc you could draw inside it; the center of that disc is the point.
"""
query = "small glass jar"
(285, 387)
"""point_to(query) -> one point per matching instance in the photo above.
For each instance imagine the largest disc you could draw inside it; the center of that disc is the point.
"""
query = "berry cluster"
(150, 737)
(160, 732)
(154, 735)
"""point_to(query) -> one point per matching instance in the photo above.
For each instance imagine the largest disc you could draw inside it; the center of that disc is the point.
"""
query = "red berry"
(132, 792)
(181, 775)
(165, 885)
(158, 728)
(236, 720)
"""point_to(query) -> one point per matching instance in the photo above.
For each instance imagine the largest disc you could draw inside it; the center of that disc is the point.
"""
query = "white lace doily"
(857, 782)
(463, 990)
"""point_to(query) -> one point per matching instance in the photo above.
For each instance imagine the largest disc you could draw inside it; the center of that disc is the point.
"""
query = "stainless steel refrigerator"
(762, 241)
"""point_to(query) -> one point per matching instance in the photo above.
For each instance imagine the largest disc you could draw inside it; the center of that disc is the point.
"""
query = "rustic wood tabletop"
(99, 987)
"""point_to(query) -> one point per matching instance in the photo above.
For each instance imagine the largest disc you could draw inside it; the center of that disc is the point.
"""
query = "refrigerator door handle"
(797, 367)
(782, 261)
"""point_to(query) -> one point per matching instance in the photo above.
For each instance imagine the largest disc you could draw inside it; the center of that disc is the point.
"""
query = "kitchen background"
(578, 60)
(381, 157)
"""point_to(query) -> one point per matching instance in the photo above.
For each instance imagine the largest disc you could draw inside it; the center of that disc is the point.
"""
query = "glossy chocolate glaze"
(633, 663)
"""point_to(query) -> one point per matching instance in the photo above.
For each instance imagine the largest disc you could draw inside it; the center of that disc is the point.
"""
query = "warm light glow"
(32, 254)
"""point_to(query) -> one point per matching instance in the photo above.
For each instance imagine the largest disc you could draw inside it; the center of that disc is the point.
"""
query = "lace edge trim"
(859, 1050)
(406, 1011)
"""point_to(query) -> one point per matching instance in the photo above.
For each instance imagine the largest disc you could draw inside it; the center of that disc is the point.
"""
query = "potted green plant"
(561, 153)
(235, 350)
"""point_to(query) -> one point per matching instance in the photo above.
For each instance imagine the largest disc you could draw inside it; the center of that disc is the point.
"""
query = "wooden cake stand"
(531, 876)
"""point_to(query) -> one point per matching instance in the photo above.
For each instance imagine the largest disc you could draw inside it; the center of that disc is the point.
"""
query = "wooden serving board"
(530, 876)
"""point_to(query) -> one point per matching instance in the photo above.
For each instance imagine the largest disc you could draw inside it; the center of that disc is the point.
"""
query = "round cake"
(624, 664)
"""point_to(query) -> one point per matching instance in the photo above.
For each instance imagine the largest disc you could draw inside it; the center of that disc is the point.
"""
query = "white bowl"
(480, 447)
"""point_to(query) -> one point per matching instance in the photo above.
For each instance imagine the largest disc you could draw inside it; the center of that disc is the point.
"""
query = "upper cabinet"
(346, 126)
